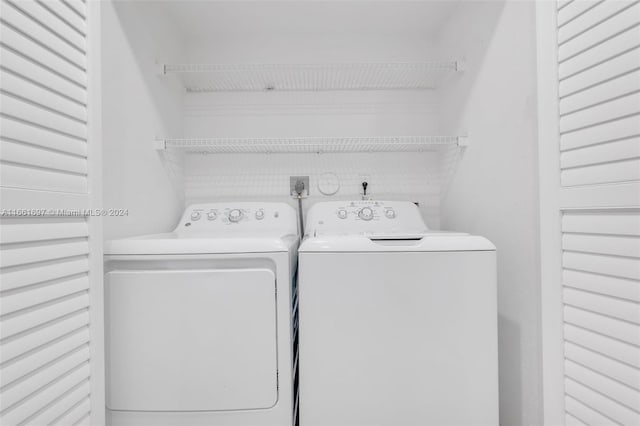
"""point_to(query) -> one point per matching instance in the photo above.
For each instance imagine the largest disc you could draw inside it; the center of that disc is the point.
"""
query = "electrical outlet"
(293, 180)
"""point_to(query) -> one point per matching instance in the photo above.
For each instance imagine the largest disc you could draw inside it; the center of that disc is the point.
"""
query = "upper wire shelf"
(312, 144)
(311, 77)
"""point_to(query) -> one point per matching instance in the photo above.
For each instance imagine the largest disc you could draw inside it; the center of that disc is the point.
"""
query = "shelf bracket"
(160, 145)
(161, 69)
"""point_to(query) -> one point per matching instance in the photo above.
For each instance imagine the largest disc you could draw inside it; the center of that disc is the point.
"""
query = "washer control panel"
(367, 216)
(244, 216)
(365, 210)
(235, 215)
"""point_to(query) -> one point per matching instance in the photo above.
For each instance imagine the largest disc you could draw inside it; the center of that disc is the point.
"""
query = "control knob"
(365, 213)
(235, 215)
(260, 214)
(342, 214)
(212, 215)
(195, 216)
(390, 214)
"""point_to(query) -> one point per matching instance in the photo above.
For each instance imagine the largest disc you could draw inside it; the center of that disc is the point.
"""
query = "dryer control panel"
(239, 217)
(364, 217)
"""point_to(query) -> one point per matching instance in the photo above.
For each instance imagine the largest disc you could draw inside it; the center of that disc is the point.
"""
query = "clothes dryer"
(199, 321)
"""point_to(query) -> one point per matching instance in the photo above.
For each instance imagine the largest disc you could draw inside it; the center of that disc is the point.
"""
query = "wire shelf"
(311, 77)
(312, 144)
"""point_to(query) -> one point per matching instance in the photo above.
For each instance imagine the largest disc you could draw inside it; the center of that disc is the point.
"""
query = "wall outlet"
(293, 180)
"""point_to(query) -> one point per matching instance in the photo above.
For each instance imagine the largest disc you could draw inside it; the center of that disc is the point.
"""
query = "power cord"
(299, 189)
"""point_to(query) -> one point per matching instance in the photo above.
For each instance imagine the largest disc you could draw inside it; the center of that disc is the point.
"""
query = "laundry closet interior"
(428, 102)
(510, 127)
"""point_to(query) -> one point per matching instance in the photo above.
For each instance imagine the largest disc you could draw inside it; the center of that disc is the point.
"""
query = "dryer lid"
(174, 243)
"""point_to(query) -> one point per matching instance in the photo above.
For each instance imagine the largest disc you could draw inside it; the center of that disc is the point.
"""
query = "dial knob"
(365, 213)
(260, 214)
(195, 216)
(390, 213)
(212, 215)
(342, 214)
(235, 215)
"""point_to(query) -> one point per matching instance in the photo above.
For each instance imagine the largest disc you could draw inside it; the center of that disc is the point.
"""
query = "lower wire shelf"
(175, 153)
(311, 144)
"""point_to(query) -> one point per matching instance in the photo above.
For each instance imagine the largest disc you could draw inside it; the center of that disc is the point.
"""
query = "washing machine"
(398, 324)
(199, 321)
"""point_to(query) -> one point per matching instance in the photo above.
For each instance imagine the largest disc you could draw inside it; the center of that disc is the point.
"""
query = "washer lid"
(406, 242)
(178, 243)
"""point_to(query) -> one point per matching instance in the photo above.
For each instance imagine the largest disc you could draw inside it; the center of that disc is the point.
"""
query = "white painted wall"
(303, 39)
(397, 176)
(139, 33)
(494, 192)
(138, 106)
(309, 31)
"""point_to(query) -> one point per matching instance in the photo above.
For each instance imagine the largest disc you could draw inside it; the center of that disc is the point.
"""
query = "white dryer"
(398, 325)
(199, 321)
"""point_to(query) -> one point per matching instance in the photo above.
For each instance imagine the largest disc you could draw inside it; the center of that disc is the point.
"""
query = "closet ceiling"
(202, 20)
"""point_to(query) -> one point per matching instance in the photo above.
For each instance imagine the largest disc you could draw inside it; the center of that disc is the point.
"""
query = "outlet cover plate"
(292, 185)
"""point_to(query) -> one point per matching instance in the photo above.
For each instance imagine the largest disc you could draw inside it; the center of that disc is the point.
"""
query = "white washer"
(398, 325)
(199, 321)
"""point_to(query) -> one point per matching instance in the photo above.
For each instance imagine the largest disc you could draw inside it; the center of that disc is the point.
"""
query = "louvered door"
(589, 146)
(51, 341)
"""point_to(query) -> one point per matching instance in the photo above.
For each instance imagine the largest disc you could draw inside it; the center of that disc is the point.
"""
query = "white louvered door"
(51, 297)
(589, 146)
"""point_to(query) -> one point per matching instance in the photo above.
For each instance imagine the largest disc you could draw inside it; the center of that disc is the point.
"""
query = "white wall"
(137, 34)
(397, 176)
(138, 106)
(494, 192)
